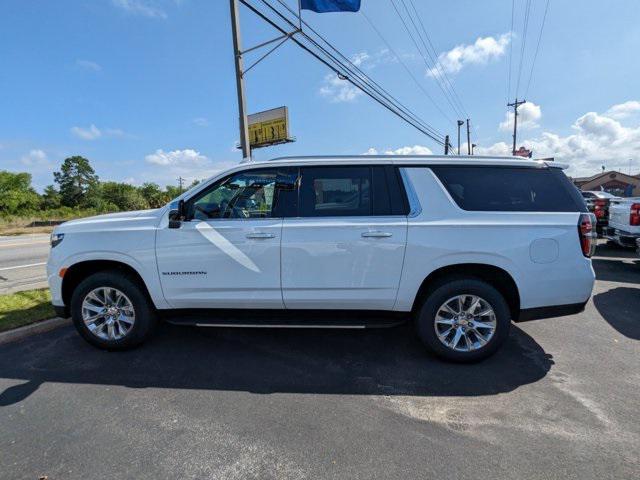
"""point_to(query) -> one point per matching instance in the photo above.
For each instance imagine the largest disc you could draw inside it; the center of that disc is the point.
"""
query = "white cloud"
(90, 133)
(623, 110)
(37, 162)
(597, 140)
(200, 122)
(497, 149)
(188, 164)
(369, 61)
(94, 133)
(528, 116)
(89, 65)
(407, 150)
(140, 7)
(337, 90)
(415, 150)
(359, 58)
(482, 51)
(35, 158)
(177, 157)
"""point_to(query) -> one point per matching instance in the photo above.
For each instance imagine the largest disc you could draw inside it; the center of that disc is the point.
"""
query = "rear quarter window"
(510, 189)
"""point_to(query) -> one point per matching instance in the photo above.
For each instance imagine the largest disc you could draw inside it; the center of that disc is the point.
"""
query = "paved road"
(22, 262)
(559, 401)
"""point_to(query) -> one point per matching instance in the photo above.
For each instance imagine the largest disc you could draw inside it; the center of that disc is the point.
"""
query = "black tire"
(447, 289)
(145, 314)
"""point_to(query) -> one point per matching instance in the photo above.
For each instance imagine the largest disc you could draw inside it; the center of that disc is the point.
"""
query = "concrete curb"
(32, 329)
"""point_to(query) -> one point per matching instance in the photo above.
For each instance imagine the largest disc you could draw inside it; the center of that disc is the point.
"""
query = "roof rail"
(384, 157)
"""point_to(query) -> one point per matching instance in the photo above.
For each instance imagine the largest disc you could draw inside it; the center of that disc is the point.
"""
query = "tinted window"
(510, 189)
(248, 194)
(397, 193)
(381, 200)
(335, 191)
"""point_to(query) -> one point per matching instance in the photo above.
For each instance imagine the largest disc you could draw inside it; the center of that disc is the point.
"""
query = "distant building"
(616, 183)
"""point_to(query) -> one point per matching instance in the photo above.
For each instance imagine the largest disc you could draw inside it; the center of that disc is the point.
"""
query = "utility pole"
(515, 106)
(460, 123)
(242, 103)
(468, 139)
(180, 182)
(446, 145)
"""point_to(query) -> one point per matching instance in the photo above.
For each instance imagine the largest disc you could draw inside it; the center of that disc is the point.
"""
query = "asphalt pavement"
(559, 401)
(23, 261)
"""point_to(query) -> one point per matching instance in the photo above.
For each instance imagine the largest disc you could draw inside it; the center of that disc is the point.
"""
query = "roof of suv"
(419, 160)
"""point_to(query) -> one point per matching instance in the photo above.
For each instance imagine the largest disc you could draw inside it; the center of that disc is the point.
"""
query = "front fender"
(144, 266)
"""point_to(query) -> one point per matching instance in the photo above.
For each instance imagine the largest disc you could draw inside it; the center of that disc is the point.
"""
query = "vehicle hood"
(113, 221)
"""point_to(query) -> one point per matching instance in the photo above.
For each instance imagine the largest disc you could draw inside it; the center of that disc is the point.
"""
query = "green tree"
(154, 196)
(16, 194)
(123, 196)
(75, 178)
(50, 198)
(172, 191)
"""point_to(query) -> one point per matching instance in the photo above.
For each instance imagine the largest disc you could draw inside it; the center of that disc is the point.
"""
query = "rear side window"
(335, 192)
(510, 189)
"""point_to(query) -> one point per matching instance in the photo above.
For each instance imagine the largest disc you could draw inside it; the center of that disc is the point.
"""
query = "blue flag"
(322, 6)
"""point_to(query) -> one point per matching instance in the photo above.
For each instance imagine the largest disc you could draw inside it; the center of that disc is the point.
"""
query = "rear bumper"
(550, 312)
(625, 239)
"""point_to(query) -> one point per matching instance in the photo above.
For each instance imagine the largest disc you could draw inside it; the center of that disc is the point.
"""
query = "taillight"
(634, 217)
(600, 208)
(587, 233)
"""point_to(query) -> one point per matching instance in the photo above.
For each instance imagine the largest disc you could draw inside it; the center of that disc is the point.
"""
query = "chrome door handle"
(260, 235)
(376, 234)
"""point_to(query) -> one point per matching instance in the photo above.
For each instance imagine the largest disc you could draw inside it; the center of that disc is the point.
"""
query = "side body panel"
(342, 262)
(540, 251)
(222, 263)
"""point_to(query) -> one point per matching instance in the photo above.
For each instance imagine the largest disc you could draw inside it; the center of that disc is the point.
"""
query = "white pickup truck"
(624, 221)
(458, 245)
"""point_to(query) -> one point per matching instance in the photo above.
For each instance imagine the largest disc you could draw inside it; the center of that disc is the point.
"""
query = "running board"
(350, 319)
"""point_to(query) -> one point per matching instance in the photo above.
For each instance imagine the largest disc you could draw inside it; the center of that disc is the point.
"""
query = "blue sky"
(145, 88)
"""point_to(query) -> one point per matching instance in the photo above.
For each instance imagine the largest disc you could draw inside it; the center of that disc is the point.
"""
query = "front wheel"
(464, 320)
(111, 310)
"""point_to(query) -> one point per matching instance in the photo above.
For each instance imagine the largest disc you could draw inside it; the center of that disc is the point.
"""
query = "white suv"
(459, 245)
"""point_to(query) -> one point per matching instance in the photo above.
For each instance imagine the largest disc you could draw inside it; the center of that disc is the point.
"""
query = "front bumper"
(55, 283)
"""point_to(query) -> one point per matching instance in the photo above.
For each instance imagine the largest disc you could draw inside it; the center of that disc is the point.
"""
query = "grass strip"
(23, 308)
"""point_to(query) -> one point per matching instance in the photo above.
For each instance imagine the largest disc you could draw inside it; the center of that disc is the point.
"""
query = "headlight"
(56, 238)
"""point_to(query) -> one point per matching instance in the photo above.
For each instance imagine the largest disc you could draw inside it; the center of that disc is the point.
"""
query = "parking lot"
(559, 401)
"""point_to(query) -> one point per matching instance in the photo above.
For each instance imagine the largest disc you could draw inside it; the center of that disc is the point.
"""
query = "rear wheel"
(464, 320)
(111, 310)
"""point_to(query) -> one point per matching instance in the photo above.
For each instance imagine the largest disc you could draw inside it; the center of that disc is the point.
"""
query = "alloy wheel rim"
(108, 313)
(465, 323)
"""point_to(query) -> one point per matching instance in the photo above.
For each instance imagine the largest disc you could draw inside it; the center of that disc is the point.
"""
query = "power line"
(424, 58)
(535, 56)
(352, 68)
(358, 78)
(525, 28)
(348, 65)
(513, 6)
(404, 65)
(438, 66)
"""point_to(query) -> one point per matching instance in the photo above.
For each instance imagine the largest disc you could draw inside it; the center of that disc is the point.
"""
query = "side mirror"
(176, 215)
